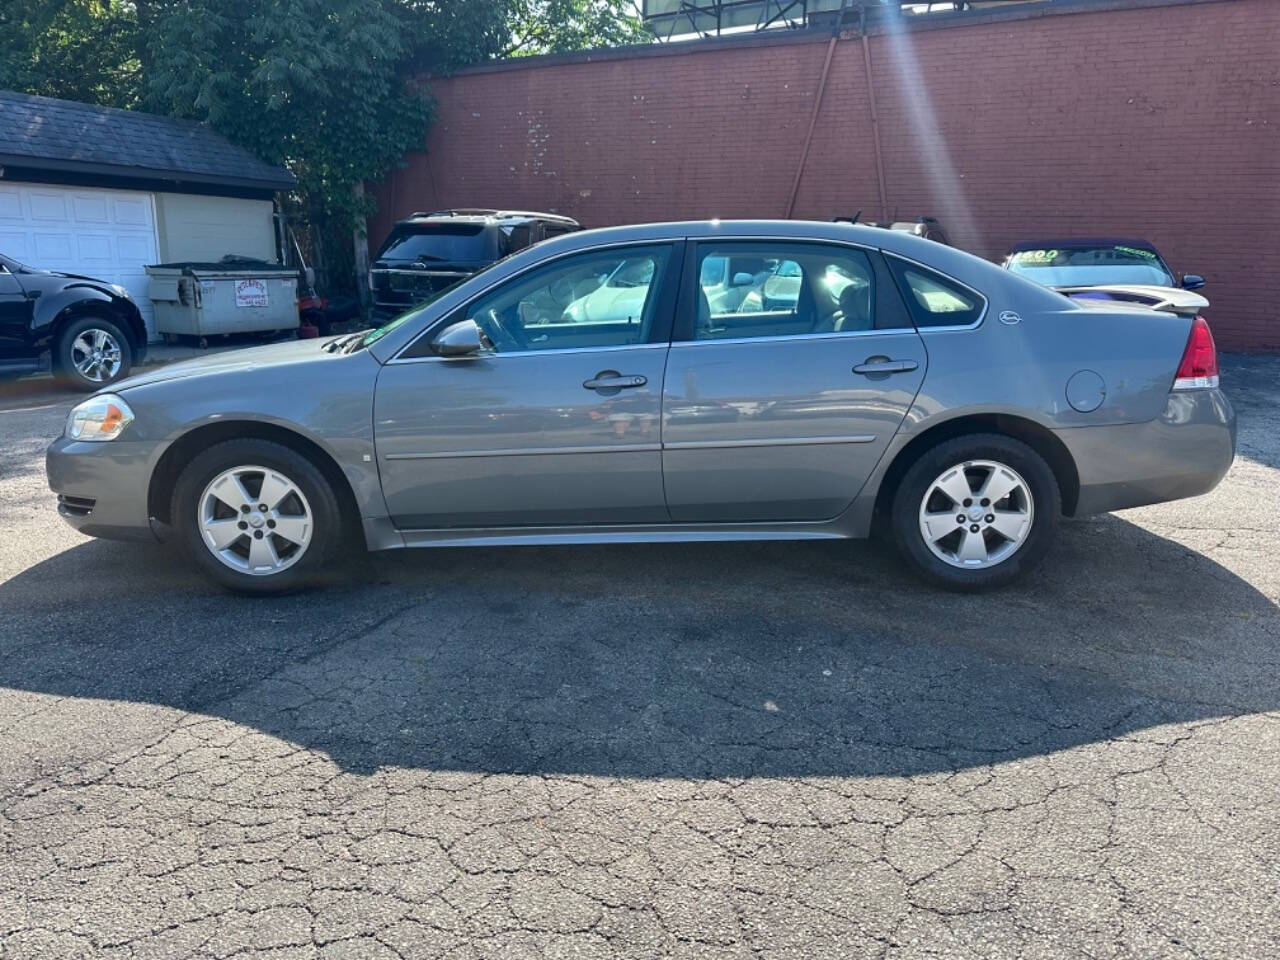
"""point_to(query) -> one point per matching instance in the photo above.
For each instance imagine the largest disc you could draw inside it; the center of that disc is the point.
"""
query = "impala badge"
(1009, 317)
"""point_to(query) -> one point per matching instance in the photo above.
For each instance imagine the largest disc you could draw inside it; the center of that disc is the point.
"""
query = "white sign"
(251, 293)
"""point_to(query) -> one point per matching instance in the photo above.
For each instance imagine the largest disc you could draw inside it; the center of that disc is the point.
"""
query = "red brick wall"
(1160, 122)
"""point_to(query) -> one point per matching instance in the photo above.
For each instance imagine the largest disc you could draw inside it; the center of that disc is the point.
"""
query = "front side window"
(599, 299)
(1090, 265)
(785, 289)
(934, 300)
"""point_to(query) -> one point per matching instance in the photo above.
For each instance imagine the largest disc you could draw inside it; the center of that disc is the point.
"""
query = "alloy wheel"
(96, 355)
(255, 520)
(976, 514)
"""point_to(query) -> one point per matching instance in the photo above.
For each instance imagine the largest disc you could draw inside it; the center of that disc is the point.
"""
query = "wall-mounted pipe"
(875, 117)
(813, 114)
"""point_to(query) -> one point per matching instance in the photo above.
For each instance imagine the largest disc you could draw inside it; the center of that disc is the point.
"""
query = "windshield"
(1091, 265)
(438, 243)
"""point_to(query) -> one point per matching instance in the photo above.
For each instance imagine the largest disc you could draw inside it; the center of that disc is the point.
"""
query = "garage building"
(104, 192)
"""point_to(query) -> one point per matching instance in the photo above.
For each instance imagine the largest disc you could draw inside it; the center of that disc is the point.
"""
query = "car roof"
(1083, 242)
(899, 241)
(974, 272)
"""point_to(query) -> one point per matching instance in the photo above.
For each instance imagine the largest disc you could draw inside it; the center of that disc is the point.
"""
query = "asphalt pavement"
(711, 750)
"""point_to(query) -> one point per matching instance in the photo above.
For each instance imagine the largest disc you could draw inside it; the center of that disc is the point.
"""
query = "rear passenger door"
(779, 407)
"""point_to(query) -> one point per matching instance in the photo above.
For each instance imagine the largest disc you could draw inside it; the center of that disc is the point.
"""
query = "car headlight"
(99, 418)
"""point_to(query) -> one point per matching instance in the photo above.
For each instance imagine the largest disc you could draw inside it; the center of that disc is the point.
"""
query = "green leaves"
(328, 88)
(73, 49)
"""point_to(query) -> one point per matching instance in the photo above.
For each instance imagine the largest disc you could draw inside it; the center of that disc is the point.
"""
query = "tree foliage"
(314, 85)
(331, 89)
(73, 49)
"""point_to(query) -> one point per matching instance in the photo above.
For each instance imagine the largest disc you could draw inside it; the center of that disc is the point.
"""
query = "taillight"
(1199, 367)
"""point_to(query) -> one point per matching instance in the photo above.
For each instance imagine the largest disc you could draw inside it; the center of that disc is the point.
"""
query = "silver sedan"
(895, 385)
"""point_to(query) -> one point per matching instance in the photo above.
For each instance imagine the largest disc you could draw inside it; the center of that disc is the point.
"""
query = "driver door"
(557, 420)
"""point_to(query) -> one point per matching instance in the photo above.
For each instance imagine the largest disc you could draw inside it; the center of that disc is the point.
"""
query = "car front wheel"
(91, 353)
(256, 516)
(976, 512)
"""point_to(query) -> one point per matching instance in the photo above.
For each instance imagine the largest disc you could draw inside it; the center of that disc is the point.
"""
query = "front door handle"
(883, 365)
(611, 381)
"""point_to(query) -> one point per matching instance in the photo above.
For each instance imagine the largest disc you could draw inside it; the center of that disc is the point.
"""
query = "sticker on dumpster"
(251, 293)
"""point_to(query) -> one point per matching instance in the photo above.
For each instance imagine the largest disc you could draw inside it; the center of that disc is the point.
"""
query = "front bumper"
(102, 487)
(1184, 452)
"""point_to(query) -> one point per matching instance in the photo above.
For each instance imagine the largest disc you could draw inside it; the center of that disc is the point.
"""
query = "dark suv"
(427, 252)
(92, 328)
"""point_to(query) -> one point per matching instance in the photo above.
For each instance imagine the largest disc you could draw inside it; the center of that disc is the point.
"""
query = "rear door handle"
(613, 381)
(874, 366)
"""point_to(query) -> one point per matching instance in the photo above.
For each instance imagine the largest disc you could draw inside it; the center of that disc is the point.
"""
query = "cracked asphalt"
(728, 751)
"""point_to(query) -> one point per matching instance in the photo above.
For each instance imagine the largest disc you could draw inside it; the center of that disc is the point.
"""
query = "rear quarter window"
(935, 300)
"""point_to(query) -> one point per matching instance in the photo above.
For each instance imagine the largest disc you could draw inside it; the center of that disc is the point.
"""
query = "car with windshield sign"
(1113, 269)
(899, 386)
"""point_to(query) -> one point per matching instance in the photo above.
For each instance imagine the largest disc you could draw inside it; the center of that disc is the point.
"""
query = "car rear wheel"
(257, 516)
(976, 512)
(92, 353)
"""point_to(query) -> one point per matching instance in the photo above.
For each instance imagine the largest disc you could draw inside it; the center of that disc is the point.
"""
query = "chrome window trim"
(828, 335)
(951, 327)
(483, 291)
(527, 353)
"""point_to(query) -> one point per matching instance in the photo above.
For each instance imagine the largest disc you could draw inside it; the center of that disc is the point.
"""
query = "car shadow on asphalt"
(684, 661)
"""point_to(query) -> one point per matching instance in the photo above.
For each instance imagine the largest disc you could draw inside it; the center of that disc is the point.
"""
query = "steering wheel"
(504, 338)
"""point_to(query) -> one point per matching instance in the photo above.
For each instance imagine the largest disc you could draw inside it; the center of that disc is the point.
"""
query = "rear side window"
(934, 300)
(750, 290)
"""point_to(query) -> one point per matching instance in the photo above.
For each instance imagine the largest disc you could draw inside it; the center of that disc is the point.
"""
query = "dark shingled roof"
(82, 138)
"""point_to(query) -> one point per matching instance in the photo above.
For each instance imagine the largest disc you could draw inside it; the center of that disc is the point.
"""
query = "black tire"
(1045, 511)
(327, 527)
(66, 352)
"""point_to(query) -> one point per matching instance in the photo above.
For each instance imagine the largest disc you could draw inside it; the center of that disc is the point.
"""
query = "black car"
(427, 252)
(92, 329)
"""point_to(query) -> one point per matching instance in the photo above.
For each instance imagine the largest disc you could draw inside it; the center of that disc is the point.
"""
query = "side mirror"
(461, 339)
(742, 279)
(1192, 281)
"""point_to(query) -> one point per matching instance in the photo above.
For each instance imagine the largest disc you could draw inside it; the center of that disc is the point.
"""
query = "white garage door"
(105, 234)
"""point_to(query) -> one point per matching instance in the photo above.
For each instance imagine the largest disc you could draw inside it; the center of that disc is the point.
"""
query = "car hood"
(271, 355)
(33, 275)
